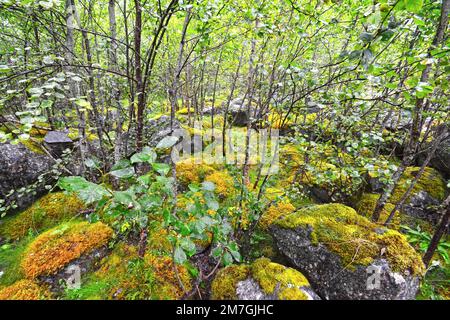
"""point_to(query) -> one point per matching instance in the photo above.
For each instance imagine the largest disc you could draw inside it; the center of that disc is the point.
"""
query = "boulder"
(20, 168)
(441, 159)
(159, 128)
(57, 141)
(345, 256)
(262, 280)
(239, 113)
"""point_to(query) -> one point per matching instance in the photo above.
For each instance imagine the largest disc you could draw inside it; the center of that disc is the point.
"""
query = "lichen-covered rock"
(47, 212)
(24, 290)
(430, 182)
(20, 168)
(239, 112)
(339, 250)
(441, 159)
(56, 248)
(262, 280)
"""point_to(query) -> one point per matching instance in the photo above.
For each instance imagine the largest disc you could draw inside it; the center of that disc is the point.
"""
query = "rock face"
(57, 141)
(262, 280)
(441, 159)
(345, 256)
(238, 110)
(424, 207)
(159, 128)
(20, 167)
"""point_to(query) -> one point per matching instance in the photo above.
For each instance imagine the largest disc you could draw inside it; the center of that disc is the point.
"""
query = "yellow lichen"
(192, 170)
(355, 239)
(55, 248)
(275, 278)
(48, 211)
(224, 284)
(24, 290)
(224, 183)
(274, 212)
(430, 181)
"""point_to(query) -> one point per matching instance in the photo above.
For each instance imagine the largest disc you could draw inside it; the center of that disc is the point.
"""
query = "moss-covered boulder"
(45, 213)
(367, 202)
(339, 250)
(20, 168)
(56, 248)
(262, 280)
(430, 182)
(24, 290)
(122, 275)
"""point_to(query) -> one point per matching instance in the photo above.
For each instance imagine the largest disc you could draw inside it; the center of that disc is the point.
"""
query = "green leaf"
(167, 142)
(87, 191)
(147, 155)
(413, 5)
(124, 173)
(161, 168)
(188, 246)
(179, 255)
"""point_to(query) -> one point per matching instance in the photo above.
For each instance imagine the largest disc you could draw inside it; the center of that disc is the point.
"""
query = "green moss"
(224, 284)
(430, 181)
(124, 276)
(10, 259)
(273, 277)
(355, 239)
(45, 213)
(33, 145)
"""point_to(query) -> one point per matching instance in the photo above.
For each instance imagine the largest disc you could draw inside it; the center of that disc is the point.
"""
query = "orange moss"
(55, 248)
(24, 290)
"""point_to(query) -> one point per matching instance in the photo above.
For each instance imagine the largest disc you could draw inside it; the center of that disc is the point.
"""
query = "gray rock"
(441, 159)
(239, 113)
(20, 168)
(56, 142)
(331, 280)
(424, 207)
(157, 129)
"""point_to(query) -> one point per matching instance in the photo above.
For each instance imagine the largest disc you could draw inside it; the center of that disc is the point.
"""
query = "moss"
(366, 205)
(430, 181)
(355, 239)
(192, 170)
(224, 183)
(274, 212)
(55, 248)
(167, 285)
(275, 278)
(47, 212)
(124, 276)
(24, 290)
(224, 284)
(33, 145)
(278, 121)
(10, 261)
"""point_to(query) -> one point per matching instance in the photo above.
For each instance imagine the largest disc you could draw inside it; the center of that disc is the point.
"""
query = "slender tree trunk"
(440, 231)
(138, 69)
